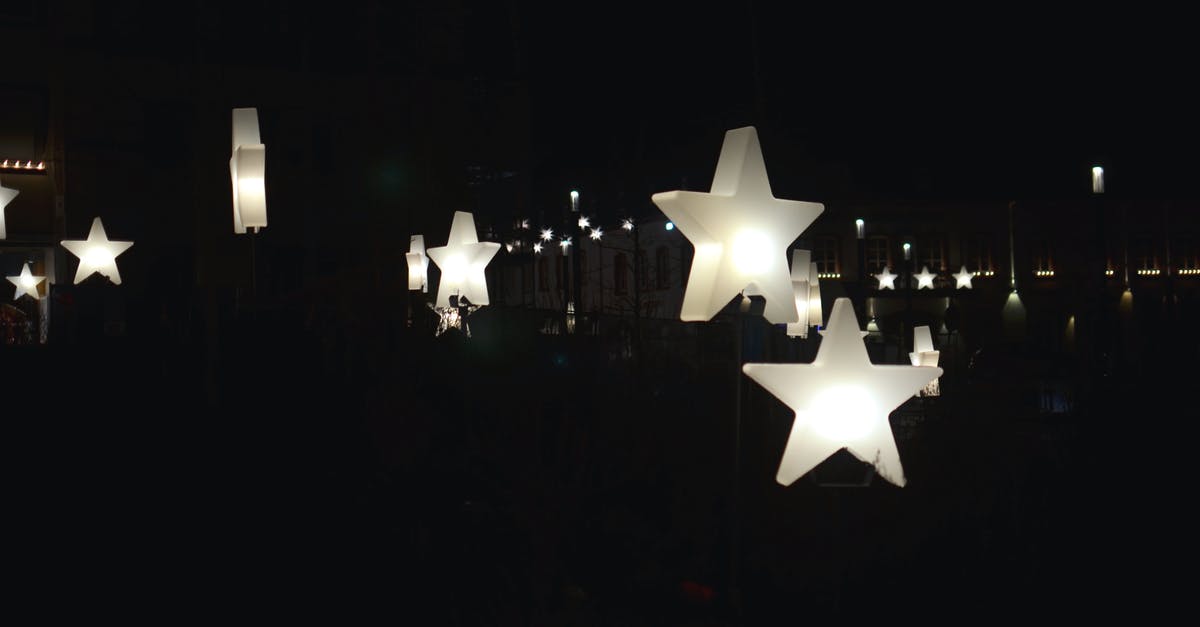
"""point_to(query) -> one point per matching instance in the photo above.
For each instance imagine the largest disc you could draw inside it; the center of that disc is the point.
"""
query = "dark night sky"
(950, 105)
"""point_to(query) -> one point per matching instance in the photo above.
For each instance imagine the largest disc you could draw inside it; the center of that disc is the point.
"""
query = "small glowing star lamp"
(462, 261)
(97, 253)
(418, 264)
(841, 400)
(248, 170)
(26, 283)
(6, 196)
(925, 279)
(963, 279)
(887, 280)
(741, 233)
(924, 355)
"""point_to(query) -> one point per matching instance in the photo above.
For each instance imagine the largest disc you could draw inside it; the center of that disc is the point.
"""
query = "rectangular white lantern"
(815, 317)
(801, 266)
(418, 264)
(6, 196)
(248, 169)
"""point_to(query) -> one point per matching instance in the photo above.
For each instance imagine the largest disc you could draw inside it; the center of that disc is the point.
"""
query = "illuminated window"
(1143, 257)
(620, 273)
(977, 254)
(933, 253)
(879, 253)
(1185, 253)
(1043, 259)
(825, 255)
(662, 267)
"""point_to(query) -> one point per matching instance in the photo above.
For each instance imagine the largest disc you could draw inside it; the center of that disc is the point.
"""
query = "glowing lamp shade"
(418, 264)
(97, 253)
(841, 400)
(6, 196)
(26, 283)
(248, 170)
(462, 262)
(924, 355)
(741, 234)
(1098, 179)
(815, 316)
(962, 279)
(801, 273)
(887, 280)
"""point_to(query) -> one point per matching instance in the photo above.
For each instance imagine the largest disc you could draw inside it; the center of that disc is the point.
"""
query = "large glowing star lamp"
(841, 400)
(963, 278)
(97, 254)
(924, 355)
(925, 278)
(418, 264)
(462, 261)
(26, 283)
(248, 170)
(6, 196)
(741, 234)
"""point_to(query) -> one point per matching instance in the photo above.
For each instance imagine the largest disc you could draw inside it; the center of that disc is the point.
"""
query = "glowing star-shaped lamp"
(841, 400)
(6, 196)
(97, 253)
(925, 279)
(462, 261)
(924, 355)
(887, 280)
(248, 171)
(741, 234)
(418, 264)
(963, 279)
(26, 283)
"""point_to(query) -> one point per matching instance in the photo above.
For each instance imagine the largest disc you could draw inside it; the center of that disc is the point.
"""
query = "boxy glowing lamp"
(741, 234)
(418, 264)
(841, 400)
(248, 171)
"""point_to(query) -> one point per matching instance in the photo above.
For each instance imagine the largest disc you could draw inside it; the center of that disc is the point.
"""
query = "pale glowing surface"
(597, 233)
(922, 340)
(418, 264)
(718, 223)
(907, 250)
(924, 355)
(26, 283)
(670, 226)
(887, 280)
(6, 196)
(537, 247)
(841, 400)
(97, 253)
(801, 267)
(1097, 180)
(925, 279)
(963, 279)
(547, 235)
(584, 222)
(815, 316)
(860, 228)
(248, 169)
(462, 261)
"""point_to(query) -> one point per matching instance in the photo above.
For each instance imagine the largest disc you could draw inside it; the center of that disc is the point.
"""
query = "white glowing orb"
(1097, 180)
(462, 262)
(418, 264)
(963, 279)
(925, 279)
(887, 280)
(841, 400)
(717, 223)
(6, 196)
(247, 171)
(97, 253)
(26, 283)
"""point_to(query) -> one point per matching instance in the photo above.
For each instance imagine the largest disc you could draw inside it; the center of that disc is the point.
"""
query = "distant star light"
(596, 233)
(740, 232)
(887, 280)
(97, 253)
(26, 283)
(925, 279)
(841, 400)
(963, 279)
(547, 235)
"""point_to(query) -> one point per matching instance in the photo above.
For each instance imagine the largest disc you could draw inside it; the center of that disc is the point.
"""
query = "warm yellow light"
(752, 251)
